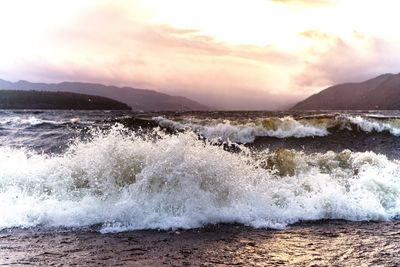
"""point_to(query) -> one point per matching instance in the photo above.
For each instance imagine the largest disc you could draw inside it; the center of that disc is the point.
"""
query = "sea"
(118, 172)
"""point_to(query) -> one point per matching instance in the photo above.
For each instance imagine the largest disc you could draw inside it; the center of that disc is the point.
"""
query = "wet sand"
(323, 243)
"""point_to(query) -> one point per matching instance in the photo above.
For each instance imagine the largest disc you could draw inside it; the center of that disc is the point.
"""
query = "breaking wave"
(124, 181)
(32, 121)
(247, 131)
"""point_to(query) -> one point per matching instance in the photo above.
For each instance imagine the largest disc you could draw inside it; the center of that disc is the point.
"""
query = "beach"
(321, 243)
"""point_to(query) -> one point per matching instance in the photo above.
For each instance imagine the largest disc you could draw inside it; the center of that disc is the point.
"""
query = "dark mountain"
(382, 92)
(138, 99)
(18, 99)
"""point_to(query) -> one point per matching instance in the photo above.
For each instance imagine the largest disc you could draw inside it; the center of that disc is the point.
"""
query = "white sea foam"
(279, 127)
(27, 121)
(370, 125)
(124, 182)
(246, 133)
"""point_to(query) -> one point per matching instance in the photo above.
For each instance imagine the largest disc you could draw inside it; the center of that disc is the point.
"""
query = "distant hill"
(17, 99)
(138, 99)
(382, 92)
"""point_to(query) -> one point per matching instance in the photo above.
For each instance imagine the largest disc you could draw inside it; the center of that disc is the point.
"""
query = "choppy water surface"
(122, 171)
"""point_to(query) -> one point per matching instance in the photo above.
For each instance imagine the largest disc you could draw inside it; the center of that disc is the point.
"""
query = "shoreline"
(327, 242)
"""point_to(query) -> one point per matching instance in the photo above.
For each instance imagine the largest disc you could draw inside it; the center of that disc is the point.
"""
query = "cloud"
(307, 3)
(335, 60)
(107, 44)
(315, 34)
(116, 31)
(184, 52)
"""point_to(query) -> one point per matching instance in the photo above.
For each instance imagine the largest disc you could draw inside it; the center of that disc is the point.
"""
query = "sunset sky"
(233, 54)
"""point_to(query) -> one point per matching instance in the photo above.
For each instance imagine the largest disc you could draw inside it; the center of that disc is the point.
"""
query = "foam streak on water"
(123, 182)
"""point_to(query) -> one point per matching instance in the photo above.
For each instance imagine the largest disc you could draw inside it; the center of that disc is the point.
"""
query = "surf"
(246, 131)
(126, 180)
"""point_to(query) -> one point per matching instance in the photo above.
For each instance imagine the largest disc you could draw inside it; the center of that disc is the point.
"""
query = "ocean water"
(123, 171)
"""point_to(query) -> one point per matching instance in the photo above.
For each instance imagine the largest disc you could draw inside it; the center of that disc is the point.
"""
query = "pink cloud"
(342, 61)
(305, 2)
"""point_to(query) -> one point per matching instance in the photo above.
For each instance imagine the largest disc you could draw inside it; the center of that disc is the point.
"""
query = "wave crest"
(124, 181)
(248, 130)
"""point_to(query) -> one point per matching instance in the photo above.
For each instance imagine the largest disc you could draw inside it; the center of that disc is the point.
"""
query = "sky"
(228, 54)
